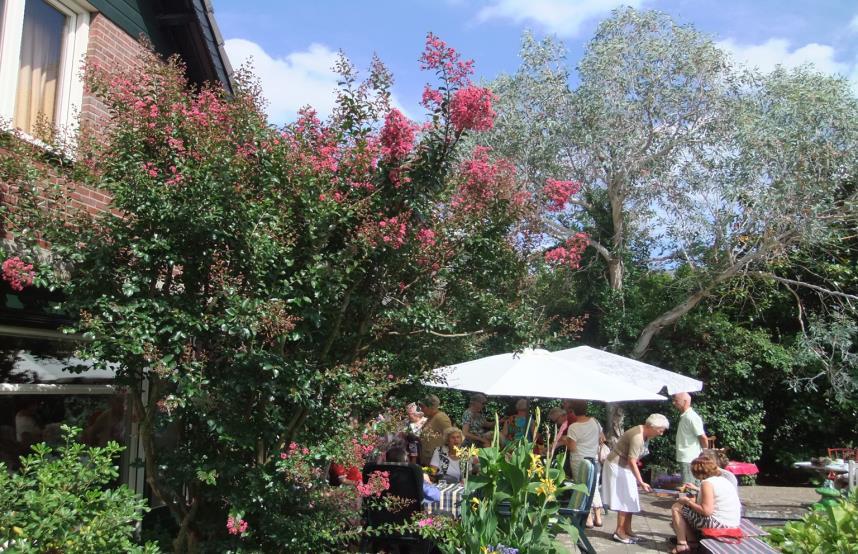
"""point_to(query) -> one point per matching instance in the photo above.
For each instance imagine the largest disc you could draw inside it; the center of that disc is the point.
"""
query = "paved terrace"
(653, 523)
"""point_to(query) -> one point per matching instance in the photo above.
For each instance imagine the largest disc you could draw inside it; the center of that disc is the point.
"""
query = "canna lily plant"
(513, 500)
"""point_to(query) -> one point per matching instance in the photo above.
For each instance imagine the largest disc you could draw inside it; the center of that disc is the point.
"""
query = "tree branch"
(817, 288)
(437, 334)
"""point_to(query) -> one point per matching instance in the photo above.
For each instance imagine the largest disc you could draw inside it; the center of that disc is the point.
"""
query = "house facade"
(43, 46)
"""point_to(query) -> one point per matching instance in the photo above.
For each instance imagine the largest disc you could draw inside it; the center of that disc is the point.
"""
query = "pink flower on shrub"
(425, 522)
(471, 109)
(426, 237)
(486, 182)
(236, 526)
(570, 253)
(557, 193)
(376, 484)
(446, 61)
(392, 232)
(18, 273)
(432, 98)
(397, 136)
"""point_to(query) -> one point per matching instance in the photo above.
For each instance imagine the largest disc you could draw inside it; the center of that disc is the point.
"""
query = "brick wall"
(109, 46)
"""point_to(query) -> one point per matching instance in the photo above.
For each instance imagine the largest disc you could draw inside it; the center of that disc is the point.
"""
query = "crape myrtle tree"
(678, 161)
(259, 290)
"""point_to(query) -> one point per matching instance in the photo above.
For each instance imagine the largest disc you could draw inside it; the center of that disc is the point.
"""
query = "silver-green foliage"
(720, 169)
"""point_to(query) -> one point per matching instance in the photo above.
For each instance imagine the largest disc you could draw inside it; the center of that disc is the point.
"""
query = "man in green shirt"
(690, 436)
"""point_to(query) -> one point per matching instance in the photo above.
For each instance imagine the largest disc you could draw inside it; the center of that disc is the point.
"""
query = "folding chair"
(578, 504)
(406, 482)
(853, 475)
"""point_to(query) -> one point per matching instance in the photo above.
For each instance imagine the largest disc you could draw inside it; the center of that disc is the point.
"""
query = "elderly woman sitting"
(445, 459)
(717, 504)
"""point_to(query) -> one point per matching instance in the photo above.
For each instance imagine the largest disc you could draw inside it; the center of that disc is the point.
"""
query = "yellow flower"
(475, 502)
(536, 467)
(484, 550)
(547, 488)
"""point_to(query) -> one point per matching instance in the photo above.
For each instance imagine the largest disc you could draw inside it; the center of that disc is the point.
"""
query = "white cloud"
(776, 51)
(561, 17)
(290, 82)
(299, 79)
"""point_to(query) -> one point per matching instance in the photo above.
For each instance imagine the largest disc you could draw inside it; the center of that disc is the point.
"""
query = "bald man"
(690, 436)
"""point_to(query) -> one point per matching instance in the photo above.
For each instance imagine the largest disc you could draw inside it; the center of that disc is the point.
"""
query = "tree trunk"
(616, 421)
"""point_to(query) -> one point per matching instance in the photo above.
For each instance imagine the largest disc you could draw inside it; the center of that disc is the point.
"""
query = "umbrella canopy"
(537, 373)
(645, 376)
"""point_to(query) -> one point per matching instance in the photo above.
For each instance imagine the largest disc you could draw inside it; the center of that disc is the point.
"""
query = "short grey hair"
(554, 412)
(431, 401)
(658, 421)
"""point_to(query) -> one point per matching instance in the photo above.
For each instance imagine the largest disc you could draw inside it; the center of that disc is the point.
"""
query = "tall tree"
(712, 168)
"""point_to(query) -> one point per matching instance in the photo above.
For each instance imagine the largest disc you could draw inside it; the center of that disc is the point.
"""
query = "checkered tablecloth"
(451, 500)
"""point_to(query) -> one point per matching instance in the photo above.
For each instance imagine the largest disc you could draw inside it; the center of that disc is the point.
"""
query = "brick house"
(43, 44)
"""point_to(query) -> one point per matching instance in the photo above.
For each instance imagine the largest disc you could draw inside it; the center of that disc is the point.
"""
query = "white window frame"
(132, 472)
(75, 42)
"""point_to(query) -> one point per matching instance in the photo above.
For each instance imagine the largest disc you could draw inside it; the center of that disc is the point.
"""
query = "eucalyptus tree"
(718, 170)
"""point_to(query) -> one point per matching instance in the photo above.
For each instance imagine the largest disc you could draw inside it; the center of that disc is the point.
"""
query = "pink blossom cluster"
(297, 466)
(206, 108)
(426, 237)
(376, 484)
(445, 60)
(392, 232)
(293, 449)
(471, 109)
(425, 522)
(18, 273)
(486, 182)
(150, 169)
(570, 253)
(397, 136)
(557, 193)
(336, 196)
(432, 98)
(312, 147)
(363, 448)
(236, 526)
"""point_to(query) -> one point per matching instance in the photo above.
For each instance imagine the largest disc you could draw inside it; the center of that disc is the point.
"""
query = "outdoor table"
(742, 468)
(834, 467)
(450, 502)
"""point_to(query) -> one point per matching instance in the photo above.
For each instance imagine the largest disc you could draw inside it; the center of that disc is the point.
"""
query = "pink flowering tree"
(273, 284)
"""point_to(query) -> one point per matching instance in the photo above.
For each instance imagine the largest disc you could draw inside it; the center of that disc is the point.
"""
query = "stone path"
(653, 523)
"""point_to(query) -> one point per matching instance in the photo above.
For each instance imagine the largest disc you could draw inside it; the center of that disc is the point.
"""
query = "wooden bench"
(749, 545)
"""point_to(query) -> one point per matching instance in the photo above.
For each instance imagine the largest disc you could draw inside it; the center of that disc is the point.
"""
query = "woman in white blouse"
(584, 438)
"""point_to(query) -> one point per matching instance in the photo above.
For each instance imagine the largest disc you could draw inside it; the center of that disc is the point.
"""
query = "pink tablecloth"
(742, 468)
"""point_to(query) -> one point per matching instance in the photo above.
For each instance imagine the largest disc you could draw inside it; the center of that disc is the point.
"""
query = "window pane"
(29, 419)
(39, 74)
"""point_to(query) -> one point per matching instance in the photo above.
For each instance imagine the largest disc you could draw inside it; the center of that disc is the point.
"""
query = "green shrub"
(828, 529)
(62, 500)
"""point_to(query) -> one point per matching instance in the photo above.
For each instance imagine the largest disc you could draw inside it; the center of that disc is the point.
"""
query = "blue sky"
(294, 43)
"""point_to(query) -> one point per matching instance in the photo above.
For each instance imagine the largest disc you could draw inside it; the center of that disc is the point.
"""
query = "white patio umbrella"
(645, 376)
(537, 373)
